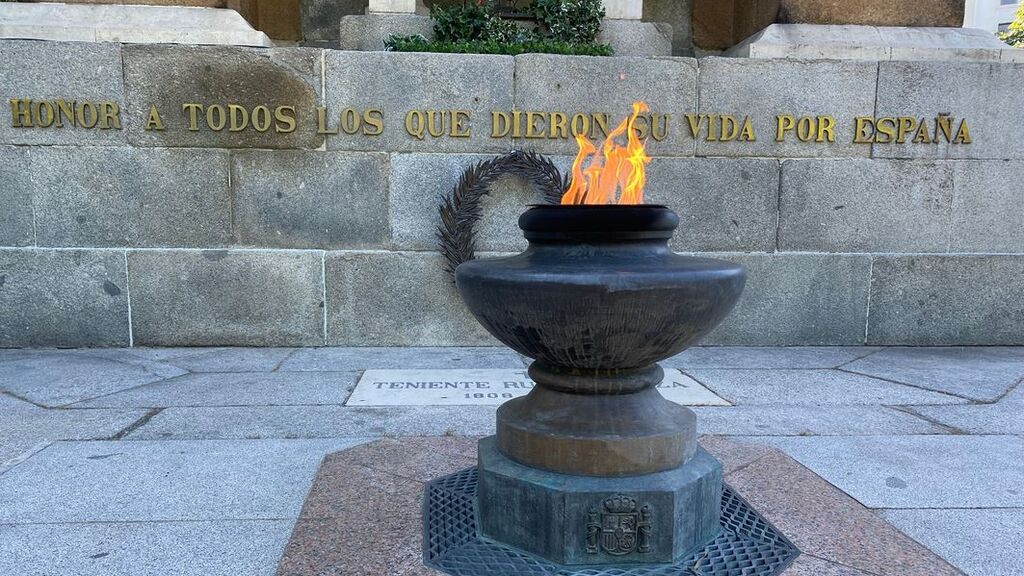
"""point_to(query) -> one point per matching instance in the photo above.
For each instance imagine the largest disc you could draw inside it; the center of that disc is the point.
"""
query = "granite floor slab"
(768, 358)
(162, 481)
(979, 542)
(345, 359)
(812, 387)
(231, 359)
(979, 373)
(754, 420)
(235, 389)
(1003, 417)
(917, 471)
(197, 548)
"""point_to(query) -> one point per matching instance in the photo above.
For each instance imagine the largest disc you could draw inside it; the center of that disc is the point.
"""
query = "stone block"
(47, 71)
(944, 300)
(814, 42)
(399, 83)
(415, 201)
(393, 6)
(310, 199)
(63, 298)
(682, 509)
(679, 15)
(987, 214)
(285, 82)
(977, 92)
(396, 299)
(131, 197)
(724, 204)
(623, 9)
(1012, 55)
(913, 43)
(17, 221)
(798, 300)
(102, 22)
(226, 297)
(320, 18)
(865, 206)
(949, 13)
(609, 86)
(636, 38)
(367, 32)
(767, 89)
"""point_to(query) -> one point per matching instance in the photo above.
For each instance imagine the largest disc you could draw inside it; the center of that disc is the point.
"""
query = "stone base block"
(874, 12)
(636, 38)
(578, 520)
(368, 31)
(127, 24)
(839, 42)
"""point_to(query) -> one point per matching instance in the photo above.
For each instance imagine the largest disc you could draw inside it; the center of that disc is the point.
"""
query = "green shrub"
(576, 21)
(1015, 35)
(421, 44)
(460, 22)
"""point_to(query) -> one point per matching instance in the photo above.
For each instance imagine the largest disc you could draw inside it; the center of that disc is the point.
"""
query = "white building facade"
(991, 15)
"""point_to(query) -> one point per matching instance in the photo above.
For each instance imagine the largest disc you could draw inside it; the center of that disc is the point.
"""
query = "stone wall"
(140, 237)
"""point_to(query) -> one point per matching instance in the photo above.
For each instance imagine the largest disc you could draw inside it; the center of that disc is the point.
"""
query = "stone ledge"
(851, 42)
(127, 24)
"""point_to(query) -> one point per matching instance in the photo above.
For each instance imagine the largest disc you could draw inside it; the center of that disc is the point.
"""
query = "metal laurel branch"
(461, 209)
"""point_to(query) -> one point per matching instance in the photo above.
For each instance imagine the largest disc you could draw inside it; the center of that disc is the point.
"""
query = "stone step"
(127, 24)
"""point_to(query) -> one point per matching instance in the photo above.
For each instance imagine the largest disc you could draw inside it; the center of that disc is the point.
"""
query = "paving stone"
(723, 204)
(826, 523)
(874, 12)
(63, 298)
(766, 357)
(17, 221)
(812, 388)
(995, 116)
(237, 389)
(418, 458)
(22, 423)
(797, 300)
(14, 452)
(208, 548)
(397, 83)
(1004, 417)
(310, 199)
(60, 377)
(805, 565)
(229, 359)
(85, 72)
(169, 77)
(979, 542)
(918, 471)
(776, 420)
(131, 197)
(552, 83)
(764, 89)
(226, 297)
(211, 480)
(414, 202)
(347, 359)
(426, 310)
(734, 453)
(317, 422)
(978, 373)
(985, 210)
(957, 300)
(865, 206)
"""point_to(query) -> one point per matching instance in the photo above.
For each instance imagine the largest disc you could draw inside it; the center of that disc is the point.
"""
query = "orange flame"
(618, 170)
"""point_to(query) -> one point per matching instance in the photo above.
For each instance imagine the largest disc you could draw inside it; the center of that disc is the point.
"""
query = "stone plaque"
(488, 388)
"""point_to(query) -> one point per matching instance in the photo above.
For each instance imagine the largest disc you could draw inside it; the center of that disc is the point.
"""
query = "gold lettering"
(580, 125)
(747, 133)
(642, 127)
(783, 123)
(826, 129)
(284, 117)
(659, 136)
(694, 121)
(863, 130)
(805, 129)
(712, 128)
(154, 122)
(906, 126)
(87, 115)
(532, 130)
(221, 117)
(44, 120)
(517, 124)
(963, 134)
(943, 126)
(65, 111)
(350, 121)
(110, 115)
(238, 118)
(414, 124)
(922, 136)
(261, 118)
(21, 113)
(599, 122)
(730, 128)
(321, 121)
(460, 130)
(886, 127)
(559, 125)
(193, 115)
(501, 124)
(374, 120)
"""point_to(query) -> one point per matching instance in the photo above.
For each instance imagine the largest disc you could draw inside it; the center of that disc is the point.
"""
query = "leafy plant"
(460, 22)
(1015, 35)
(421, 44)
(574, 21)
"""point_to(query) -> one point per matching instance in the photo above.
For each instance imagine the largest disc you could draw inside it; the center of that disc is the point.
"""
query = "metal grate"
(747, 546)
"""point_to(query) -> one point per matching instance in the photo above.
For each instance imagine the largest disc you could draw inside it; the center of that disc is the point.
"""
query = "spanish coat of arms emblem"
(619, 528)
